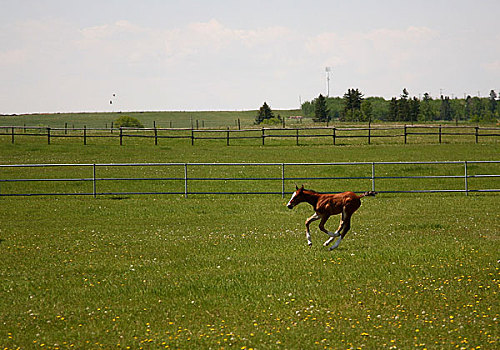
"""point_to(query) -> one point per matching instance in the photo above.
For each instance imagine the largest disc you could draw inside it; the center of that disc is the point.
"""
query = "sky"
(193, 55)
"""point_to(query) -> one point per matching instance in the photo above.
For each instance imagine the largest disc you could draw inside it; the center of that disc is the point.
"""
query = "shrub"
(126, 121)
(272, 121)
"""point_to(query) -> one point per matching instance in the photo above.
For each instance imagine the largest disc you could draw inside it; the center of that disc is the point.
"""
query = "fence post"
(439, 133)
(465, 179)
(369, 133)
(297, 136)
(156, 136)
(405, 133)
(477, 134)
(121, 136)
(282, 180)
(48, 136)
(94, 182)
(85, 134)
(185, 180)
(334, 135)
(227, 136)
(192, 136)
(13, 134)
(239, 124)
(65, 128)
(263, 137)
(373, 176)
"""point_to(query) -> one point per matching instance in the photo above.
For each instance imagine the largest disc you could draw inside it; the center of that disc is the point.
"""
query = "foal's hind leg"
(346, 223)
(336, 233)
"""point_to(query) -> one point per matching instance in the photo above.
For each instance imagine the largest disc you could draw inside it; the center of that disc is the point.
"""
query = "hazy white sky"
(69, 55)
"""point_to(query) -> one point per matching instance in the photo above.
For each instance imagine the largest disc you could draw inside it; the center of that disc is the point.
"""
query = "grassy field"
(416, 271)
(173, 119)
(170, 119)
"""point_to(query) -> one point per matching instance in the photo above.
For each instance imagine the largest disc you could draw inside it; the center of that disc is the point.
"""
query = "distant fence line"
(282, 175)
(334, 133)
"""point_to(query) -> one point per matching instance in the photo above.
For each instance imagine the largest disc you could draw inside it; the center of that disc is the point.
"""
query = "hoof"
(309, 244)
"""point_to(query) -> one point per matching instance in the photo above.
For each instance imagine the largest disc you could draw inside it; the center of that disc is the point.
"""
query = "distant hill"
(175, 119)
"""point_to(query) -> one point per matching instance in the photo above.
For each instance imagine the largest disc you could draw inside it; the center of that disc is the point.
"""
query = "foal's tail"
(368, 194)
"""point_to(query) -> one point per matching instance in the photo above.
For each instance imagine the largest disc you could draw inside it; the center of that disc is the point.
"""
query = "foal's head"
(297, 197)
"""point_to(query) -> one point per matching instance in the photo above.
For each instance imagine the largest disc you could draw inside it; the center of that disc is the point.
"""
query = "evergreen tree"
(265, 112)
(427, 113)
(468, 107)
(393, 110)
(414, 109)
(403, 107)
(321, 112)
(352, 104)
(445, 111)
(493, 102)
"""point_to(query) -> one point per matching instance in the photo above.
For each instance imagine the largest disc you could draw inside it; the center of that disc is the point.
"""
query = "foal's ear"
(296, 187)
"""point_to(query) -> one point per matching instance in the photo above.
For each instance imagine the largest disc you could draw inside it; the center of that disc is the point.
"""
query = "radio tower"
(328, 70)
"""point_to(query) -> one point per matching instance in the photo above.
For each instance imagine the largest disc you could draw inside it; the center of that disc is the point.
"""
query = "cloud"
(212, 37)
(357, 46)
(12, 57)
(127, 40)
(492, 66)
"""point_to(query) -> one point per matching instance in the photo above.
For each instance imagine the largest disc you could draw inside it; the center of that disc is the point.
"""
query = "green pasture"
(175, 119)
(219, 271)
(170, 119)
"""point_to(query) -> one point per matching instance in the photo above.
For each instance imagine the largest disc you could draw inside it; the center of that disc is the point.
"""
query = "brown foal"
(326, 205)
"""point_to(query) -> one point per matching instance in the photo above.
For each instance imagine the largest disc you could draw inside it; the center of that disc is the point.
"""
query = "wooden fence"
(334, 134)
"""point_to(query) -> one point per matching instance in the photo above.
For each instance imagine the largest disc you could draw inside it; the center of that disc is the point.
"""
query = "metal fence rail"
(283, 175)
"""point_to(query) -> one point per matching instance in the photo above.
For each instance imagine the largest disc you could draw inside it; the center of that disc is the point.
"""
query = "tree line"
(353, 106)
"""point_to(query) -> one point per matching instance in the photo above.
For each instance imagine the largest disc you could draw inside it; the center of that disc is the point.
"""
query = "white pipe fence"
(11, 174)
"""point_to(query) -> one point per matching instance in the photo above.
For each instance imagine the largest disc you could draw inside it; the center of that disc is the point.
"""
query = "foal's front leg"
(314, 217)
